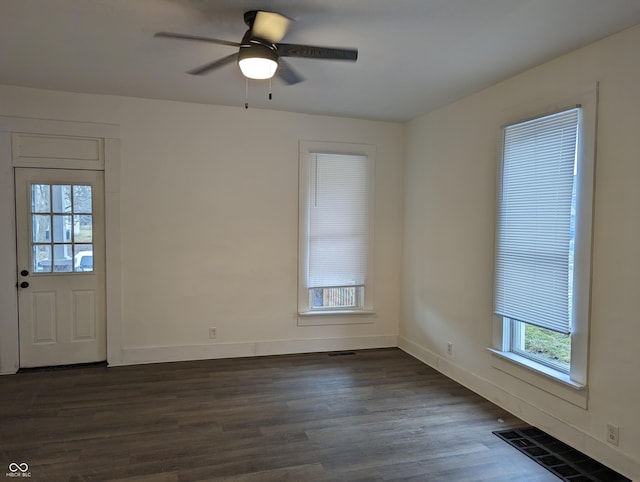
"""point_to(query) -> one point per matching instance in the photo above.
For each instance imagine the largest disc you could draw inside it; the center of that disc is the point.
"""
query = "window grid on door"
(62, 228)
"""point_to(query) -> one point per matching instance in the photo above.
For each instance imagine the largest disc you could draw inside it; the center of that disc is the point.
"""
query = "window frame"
(570, 386)
(321, 316)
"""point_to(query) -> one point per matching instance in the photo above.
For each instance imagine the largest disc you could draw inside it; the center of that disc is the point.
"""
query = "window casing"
(520, 331)
(336, 229)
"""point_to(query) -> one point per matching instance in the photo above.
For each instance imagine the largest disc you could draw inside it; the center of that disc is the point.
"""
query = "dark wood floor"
(375, 415)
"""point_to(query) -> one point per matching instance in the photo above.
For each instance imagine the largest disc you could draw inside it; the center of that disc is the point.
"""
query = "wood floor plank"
(375, 415)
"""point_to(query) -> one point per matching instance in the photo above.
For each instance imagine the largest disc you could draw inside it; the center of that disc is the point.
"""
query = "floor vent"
(557, 457)
(341, 353)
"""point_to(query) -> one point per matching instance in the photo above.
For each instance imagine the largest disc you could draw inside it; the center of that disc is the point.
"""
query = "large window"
(336, 225)
(543, 239)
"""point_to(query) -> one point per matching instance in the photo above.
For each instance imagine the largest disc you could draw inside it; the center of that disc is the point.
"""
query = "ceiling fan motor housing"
(252, 47)
(263, 57)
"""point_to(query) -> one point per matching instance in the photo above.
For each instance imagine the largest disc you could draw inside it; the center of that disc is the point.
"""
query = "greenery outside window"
(541, 345)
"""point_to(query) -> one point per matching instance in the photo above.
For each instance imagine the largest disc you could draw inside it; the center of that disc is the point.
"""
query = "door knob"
(24, 284)
(24, 272)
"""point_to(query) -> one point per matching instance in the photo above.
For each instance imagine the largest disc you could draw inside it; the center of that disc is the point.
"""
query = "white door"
(61, 276)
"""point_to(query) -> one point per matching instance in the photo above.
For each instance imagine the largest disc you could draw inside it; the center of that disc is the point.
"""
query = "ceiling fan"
(260, 52)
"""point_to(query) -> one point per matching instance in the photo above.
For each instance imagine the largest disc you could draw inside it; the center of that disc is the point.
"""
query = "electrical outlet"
(213, 333)
(613, 433)
(449, 348)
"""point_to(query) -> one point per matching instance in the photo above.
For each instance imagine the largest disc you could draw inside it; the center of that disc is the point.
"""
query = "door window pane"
(83, 228)
(41, 226)
(62, 259)
(81, 199)
(83, 258)
(61, 198)
(40, 198)
(61, 229)
(41, 258)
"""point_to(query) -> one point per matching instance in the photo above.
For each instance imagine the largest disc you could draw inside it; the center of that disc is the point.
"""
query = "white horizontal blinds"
(338, 220)
(533, 242)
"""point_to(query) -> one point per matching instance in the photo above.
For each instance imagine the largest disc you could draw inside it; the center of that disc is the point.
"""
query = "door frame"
(110, 135)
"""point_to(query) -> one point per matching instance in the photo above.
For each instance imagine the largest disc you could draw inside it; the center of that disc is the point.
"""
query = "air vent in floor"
(557, 457)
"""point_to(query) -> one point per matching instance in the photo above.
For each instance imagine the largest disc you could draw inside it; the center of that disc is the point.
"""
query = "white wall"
(209, 219)
(450, 185)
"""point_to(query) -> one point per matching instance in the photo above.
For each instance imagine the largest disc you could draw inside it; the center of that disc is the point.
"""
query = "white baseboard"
(521, 408)
(159, 354)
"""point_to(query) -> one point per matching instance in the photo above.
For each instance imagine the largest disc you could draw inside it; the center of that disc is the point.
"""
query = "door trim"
(110, 133)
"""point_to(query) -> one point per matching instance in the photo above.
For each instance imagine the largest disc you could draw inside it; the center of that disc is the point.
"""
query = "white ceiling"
(414, 55)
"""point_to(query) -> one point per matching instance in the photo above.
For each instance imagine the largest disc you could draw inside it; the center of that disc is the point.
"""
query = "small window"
(336, 226)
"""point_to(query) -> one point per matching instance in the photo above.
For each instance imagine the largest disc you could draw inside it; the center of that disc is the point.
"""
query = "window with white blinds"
(336, 231)
(338, 220)
(535, 221)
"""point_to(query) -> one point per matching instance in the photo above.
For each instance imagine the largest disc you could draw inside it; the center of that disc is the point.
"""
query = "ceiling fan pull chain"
(246, 93)
(270, 95)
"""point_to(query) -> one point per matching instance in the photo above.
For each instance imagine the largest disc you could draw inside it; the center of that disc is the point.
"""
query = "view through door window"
(62, 228)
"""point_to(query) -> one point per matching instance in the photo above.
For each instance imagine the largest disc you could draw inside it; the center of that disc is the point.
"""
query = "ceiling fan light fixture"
(257, 61)
(258, 68)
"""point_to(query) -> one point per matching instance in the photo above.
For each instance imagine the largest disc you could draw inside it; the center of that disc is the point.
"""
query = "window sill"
(335, 317)
(540, 376)
(335, 312)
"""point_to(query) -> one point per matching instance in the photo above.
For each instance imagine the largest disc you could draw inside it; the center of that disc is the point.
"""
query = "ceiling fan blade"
(315, 52)
(270, 26)
(287, 74)
(183, 36)
(206, 68)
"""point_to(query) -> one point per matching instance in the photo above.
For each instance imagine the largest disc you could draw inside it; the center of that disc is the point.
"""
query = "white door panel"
(60, 239)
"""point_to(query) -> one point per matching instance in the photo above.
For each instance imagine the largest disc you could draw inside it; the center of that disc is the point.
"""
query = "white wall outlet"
(613, 433)
(213, 333)
(449, 348)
